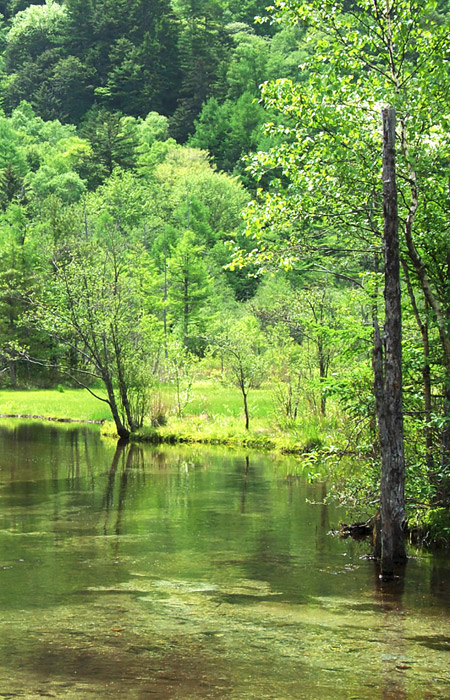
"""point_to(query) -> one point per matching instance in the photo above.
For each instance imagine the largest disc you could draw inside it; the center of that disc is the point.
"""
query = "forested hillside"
(199, 64)
(133, 137)
(123, 132)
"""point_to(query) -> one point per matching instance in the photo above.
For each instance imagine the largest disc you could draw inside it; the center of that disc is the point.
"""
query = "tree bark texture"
(122, 431)
(389, 403)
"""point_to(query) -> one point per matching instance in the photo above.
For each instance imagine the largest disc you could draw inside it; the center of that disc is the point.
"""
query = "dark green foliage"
(121, 54)
(202, 47)
(248, 10)
(113, 139)
(71, 58)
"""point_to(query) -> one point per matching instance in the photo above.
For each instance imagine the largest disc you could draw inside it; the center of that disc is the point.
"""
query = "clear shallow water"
(191, 573)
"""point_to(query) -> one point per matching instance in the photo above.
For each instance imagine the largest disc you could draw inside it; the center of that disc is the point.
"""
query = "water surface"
(193, 573)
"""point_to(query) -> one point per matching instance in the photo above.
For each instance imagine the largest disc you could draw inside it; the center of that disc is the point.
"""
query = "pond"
(171, 573)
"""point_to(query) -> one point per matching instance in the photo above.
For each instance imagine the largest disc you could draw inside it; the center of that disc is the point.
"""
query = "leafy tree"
(188, 289)
(154, 127)
(201, 49)
(95, 304)
(330, 214)
(313, 318)
(34, 30)
(33, 48)
(13, 165)
(229, 130)
(250, 11)
(52, 155)
(179, 372)
(212, 132)
(131, 48)
(241, 343)
(17, 258)
(247, 67)
(121, 202)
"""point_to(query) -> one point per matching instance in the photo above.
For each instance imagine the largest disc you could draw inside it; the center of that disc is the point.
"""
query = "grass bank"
(214, 415)
(66, 404)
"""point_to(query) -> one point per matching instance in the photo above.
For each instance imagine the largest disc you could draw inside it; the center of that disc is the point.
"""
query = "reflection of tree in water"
(245, 484)
(323, 529)
(439, 578)
(389, 596)
(128, 462)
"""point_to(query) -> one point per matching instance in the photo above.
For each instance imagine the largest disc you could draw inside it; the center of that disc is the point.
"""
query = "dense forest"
(192, 184)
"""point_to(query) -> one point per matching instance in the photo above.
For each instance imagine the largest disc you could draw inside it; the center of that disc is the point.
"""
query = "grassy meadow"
(74, 404)
(214, 414)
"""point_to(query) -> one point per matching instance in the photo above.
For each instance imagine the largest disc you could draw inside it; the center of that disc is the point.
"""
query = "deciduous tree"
(325, 207)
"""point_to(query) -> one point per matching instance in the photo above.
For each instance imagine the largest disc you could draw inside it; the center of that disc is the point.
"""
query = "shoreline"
(50, 419)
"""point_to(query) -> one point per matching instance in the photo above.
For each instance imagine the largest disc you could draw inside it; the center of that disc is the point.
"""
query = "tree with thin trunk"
(95, 305)
(241, 345)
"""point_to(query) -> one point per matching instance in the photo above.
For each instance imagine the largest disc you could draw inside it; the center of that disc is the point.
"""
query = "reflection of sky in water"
(192, 573)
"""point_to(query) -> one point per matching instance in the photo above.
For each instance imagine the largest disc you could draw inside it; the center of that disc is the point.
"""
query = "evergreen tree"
(188, 289)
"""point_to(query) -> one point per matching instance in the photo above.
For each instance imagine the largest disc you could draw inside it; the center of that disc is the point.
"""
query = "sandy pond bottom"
(185, 574)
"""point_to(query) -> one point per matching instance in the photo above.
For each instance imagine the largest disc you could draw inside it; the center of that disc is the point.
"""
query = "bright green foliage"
(48, 155)
(186, 192)
(122, 203)
(73, 404)
(323, 210)
(155, 127)
(95, 304)
(189, 286)
(242, 347)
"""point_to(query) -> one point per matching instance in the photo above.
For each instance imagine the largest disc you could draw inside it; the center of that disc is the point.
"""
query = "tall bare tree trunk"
(389, 400)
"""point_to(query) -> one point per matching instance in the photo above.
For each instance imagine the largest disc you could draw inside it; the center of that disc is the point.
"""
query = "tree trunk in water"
(390, 411)
(122, 384)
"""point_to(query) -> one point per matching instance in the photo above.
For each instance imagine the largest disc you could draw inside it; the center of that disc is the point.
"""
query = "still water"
(191, 573)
